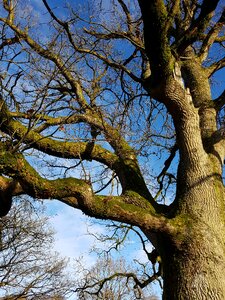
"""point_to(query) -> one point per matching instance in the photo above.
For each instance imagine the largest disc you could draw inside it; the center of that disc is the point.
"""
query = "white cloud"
(71, 238)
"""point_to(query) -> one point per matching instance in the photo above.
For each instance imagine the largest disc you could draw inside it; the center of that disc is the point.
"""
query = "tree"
(28, 269)
(90, 97)
(113, 279)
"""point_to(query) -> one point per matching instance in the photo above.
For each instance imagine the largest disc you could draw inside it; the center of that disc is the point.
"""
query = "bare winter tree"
(92, 93)
(112, 279)
(105, 280)
(29, 269)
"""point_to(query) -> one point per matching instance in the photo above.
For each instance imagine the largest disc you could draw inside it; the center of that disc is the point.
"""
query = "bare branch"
(211, 37)
(9, 41)
(63, 24)
(46, 53)
(218, 65)
(109, 62)
(197, 26)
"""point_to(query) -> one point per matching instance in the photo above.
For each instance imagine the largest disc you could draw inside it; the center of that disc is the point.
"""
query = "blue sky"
(73, 238)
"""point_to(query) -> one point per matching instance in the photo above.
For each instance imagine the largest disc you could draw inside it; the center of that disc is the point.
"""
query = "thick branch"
(123, 162)
(211, 37)
(157, 46)
(63, 149)
(130, 208)
(197, 27)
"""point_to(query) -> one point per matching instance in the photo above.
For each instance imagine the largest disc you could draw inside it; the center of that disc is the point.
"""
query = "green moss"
(131, 203)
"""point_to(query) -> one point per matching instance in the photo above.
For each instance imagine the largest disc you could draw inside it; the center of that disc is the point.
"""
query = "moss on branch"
(124, 162)
(130, 207)
(38, 187)
(156, 25)
(57, 148)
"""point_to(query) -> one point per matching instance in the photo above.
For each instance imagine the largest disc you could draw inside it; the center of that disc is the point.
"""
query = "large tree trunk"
(197, 272)
(194, 259)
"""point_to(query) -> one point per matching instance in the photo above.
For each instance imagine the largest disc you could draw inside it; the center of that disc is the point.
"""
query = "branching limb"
(105, 59)
(99, 285)
(197, 26)
(127, 14)
(211, 37)
(173, 11)
(129, 173)
(189, 11)
(129, 208)
(157, 46)
(163, 173)
(50, 146)
(207, 9)
(218, 65)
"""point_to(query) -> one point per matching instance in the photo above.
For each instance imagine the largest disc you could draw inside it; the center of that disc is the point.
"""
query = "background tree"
(110, 279)
(89, 97)
(121, 277)
(29, 269)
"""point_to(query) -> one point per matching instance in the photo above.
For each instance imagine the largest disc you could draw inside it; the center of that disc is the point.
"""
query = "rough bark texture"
(194, 262)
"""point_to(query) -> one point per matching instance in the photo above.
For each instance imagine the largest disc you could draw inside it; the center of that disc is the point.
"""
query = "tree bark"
(194, 260)
(196, 270)
(195, 273)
